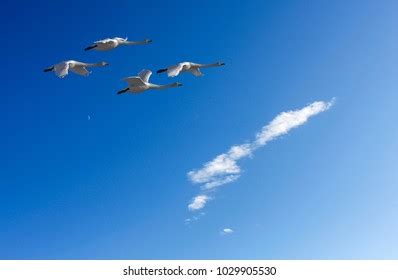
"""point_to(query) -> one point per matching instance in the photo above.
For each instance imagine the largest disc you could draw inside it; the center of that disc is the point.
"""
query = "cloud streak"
(224, 168)
(198, 202)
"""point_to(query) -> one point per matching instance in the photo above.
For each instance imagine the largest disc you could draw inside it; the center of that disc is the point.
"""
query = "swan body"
(140, 83)
(111, 43)
(193, 68)
(62, 69)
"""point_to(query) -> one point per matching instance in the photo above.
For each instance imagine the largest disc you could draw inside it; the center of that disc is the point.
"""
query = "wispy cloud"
(226, 231)
(224, 168)
(198, 202)
(194, 218)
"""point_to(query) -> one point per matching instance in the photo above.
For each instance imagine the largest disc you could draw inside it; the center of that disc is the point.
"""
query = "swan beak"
(222, 63)
(148, 40)
(179, 84)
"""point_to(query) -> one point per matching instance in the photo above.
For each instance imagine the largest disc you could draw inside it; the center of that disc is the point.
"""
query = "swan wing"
(173, 71)
(195, 71)
(103, 41)
(134, 81)
(145, 74)
(61, 69)
(80, 70)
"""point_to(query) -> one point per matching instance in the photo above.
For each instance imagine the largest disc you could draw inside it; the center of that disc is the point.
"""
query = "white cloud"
(198, 202)
(285, 121)
(221, 170)
(224, 169)
(220, 182)
(226, 231)
(194, 218)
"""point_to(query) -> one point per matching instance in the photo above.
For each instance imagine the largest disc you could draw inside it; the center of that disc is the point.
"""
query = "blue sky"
(116, 186)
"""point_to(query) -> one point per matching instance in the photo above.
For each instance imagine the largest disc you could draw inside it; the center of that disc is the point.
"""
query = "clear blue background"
(115, 186)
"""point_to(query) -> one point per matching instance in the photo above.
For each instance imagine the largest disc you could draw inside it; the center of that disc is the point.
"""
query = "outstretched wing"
(80, 70)
(145, 74)
(134, 81)
(173, 71)
(61, 69)
(195, 71)
(103, 41)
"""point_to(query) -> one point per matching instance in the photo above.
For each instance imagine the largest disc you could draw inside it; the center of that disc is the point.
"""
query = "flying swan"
(138, 84)
(111, 43)
(61, 69)
(193, 68)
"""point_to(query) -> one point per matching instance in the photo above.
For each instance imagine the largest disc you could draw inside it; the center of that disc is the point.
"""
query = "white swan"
(138, 84)
(61, 69)
(111, 43)
(193, 68)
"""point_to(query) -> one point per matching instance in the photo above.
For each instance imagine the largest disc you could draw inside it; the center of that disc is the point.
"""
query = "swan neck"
(97, 64)
(134, 42)
(209, 65)
(164, 86)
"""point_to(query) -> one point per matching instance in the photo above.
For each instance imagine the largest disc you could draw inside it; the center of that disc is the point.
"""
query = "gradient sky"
(116, 186)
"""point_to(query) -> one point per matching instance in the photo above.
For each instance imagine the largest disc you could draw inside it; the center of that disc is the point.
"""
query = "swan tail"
(90, 47)
(161, 70)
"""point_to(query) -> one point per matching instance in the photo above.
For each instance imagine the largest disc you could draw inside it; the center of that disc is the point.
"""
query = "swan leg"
(122, 91)
(49, 69)
(90, 47)
(161, 70)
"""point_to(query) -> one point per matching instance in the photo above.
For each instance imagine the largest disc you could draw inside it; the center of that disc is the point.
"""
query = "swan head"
(177, 84)
(148, 41)
(103, 63)
(220, 63)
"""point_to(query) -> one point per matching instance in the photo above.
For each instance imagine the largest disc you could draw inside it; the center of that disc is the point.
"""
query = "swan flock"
(135, 84)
